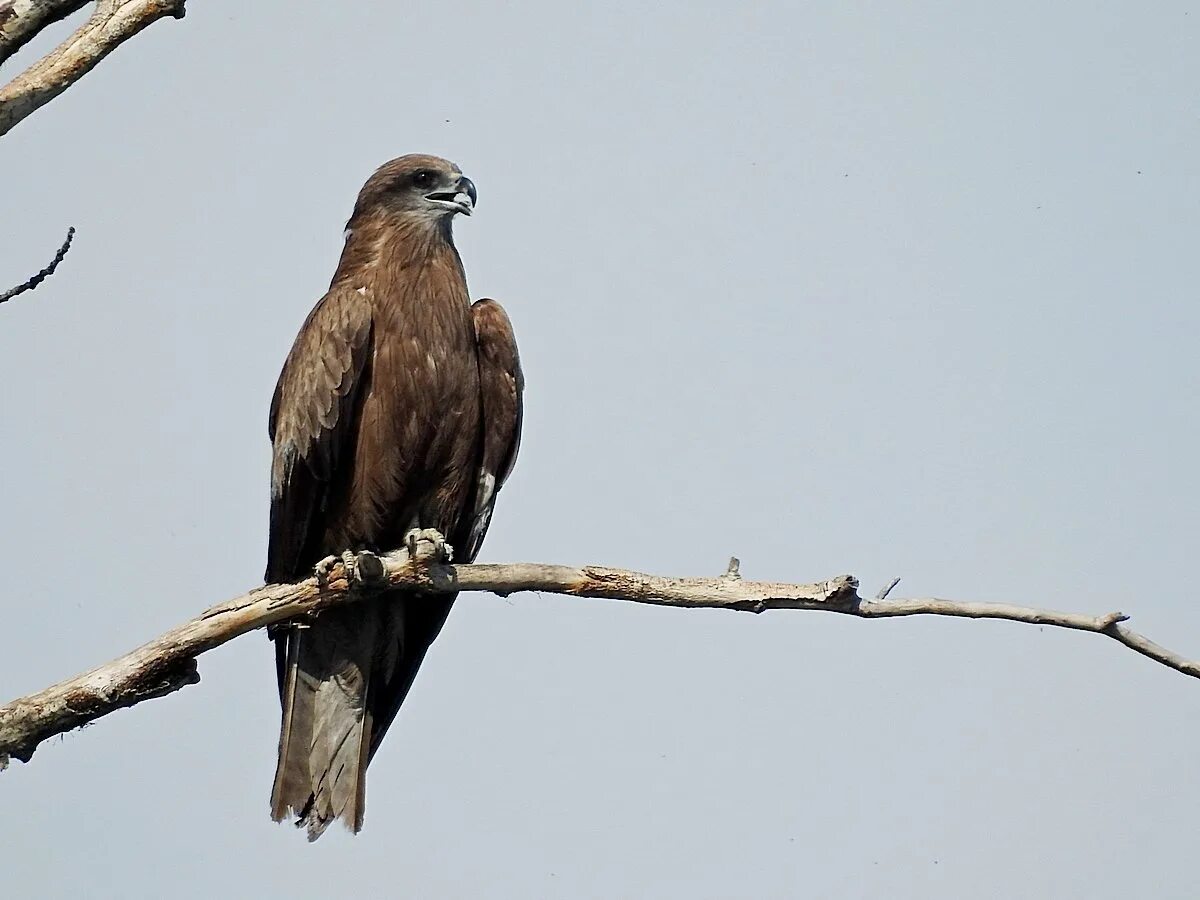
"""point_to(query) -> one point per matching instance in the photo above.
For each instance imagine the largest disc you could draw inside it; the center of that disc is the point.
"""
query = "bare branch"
(111, 24)
(44, 273)
(22, 20)
(169, 662)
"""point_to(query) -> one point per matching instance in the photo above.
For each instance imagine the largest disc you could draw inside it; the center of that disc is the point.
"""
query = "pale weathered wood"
(111, 23)
(21, 20)
(169, 662)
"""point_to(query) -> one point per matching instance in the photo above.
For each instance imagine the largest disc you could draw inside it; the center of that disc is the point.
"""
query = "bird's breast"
(419, 428)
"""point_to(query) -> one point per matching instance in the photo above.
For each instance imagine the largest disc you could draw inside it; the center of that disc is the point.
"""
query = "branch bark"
(111, 24)
(168, 663)
(22, 20)
(35, 280)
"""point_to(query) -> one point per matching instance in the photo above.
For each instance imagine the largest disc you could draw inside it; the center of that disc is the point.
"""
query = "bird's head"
(418, 186)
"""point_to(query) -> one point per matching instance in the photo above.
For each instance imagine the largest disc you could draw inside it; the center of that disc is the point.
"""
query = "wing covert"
(311, 423)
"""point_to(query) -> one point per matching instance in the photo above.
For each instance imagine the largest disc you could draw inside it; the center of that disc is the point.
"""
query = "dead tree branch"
(111, 24)
(44, 273)
(22, 20)
(169, 662)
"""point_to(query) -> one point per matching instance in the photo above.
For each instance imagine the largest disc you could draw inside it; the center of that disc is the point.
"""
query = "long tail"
(341, 681)
(325, 736)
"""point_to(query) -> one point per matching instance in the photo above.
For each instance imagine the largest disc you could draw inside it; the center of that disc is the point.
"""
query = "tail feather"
(291, 774)
(326, 729)
(342, 680)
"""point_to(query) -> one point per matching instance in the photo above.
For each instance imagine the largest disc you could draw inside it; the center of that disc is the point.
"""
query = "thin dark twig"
(45, 273)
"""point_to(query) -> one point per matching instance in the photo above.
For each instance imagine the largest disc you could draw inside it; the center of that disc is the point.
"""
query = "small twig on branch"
(111, 24)
(44, 273)
(887, 588)
(169, 662)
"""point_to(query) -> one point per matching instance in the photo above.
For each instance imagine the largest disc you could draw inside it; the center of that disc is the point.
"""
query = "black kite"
(398, 410)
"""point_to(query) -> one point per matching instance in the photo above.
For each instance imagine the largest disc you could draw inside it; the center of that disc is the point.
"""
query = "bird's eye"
(423, 178)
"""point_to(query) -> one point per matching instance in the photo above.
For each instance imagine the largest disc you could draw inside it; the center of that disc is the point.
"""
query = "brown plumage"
(399, 407)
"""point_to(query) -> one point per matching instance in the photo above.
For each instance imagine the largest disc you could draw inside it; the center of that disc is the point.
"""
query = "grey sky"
(890, 289)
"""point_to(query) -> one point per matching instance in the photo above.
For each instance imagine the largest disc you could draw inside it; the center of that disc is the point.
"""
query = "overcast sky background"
(887, 289)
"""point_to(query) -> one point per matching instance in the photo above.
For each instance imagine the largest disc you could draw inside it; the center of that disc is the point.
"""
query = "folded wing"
(501, 386)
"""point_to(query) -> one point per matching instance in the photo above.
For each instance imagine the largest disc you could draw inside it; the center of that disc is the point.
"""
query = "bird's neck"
(398, 243)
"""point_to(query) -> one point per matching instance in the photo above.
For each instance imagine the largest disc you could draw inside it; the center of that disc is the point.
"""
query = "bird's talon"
(439, 550)
(362, 567)
(368, 568)
(349, 561)
(322, 569)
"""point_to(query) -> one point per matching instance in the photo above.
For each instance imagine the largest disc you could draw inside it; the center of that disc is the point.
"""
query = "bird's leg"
(441, 551)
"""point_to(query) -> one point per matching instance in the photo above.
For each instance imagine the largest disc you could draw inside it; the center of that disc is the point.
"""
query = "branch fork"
(111, 23)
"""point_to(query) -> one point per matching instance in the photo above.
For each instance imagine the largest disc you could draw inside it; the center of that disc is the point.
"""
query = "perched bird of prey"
(397, 416)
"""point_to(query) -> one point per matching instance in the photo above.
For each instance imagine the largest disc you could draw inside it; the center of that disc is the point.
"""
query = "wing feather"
(501, 386)
(312, 423)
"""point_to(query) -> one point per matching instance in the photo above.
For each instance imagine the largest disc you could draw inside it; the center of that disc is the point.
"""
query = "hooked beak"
(461, 199)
